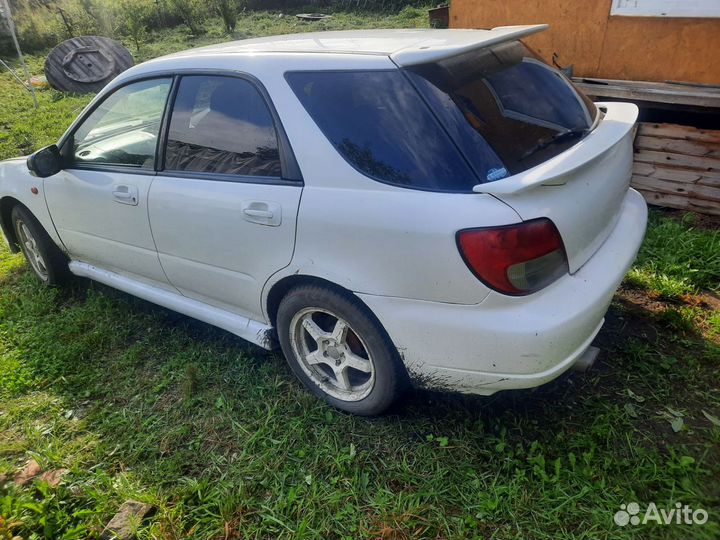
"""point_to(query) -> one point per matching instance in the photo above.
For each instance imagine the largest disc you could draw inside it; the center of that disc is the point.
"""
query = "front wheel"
(46, 260)
(339, 351)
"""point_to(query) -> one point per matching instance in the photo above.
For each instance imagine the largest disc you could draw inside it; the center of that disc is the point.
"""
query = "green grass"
(678, 258)
(142, 403)
(139, 402)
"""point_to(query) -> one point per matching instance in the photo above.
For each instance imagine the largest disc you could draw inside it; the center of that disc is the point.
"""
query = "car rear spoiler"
(448, 43)
(618, 122)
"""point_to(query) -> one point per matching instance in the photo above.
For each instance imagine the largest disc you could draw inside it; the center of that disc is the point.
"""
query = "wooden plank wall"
(678, 167)
(583, 33)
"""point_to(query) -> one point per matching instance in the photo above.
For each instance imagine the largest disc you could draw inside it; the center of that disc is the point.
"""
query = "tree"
(191, 13)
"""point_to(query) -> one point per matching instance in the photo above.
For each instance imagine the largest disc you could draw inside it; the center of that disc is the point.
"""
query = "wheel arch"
(279, 289)
(284, 285)
(6, 206)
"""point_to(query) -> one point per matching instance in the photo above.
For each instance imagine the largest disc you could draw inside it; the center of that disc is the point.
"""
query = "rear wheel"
(338, 350)
(46, 260)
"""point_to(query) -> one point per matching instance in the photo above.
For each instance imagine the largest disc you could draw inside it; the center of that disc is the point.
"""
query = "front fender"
(16, 184)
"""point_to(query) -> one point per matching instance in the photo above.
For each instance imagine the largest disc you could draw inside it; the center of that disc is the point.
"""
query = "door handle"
(125, 194)
(262, 212)
(267, 214)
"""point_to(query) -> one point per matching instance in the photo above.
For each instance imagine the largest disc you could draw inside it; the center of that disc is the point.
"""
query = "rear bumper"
(513, 342)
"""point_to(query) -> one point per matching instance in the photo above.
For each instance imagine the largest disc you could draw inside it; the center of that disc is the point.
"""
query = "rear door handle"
(262, 212)
(125, 194)
(267, 214)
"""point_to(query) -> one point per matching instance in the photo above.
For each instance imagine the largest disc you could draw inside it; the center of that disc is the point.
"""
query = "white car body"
(189, 245)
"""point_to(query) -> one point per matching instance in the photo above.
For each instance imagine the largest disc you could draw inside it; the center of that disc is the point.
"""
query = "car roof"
(404, 47)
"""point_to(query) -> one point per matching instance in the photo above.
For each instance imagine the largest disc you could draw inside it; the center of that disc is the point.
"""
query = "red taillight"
(515, 259)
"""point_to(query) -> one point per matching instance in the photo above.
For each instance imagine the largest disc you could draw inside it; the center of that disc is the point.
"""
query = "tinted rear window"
(380, 124)
(221, 125)
(504, 96)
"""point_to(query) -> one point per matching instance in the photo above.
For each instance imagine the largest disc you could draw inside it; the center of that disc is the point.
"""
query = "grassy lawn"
(139, 402)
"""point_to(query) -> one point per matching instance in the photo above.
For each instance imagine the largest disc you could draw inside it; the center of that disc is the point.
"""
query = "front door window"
(123, 130)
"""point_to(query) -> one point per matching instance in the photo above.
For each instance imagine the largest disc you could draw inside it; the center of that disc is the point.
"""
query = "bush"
(133, 19)
(228, 11)
(192, 13)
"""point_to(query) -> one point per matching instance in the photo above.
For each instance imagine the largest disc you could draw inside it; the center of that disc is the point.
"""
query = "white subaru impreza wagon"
(436, 207)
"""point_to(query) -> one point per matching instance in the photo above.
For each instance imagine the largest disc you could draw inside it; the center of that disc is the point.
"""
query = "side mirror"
(45, 162)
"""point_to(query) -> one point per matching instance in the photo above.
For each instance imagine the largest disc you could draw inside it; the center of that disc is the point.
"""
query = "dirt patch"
(700, 221)
(705, 221)
(54, 477)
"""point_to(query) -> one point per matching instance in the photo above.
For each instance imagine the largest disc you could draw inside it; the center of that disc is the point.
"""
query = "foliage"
(678, 258)
(44, 23)
(192, 13)
(228, 11)
(132, 20)
(142, 403)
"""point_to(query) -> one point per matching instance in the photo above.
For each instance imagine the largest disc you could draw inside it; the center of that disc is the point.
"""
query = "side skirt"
(251, 330)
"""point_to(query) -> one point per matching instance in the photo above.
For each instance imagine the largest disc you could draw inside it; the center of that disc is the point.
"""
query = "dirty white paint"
(253, 331)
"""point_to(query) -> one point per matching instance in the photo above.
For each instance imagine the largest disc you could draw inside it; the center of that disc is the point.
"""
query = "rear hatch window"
(505, 97)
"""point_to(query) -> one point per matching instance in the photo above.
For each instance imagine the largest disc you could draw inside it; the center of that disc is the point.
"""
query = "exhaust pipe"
(586, 359)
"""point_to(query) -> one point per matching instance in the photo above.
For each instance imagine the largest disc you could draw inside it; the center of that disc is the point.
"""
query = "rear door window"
(380, 124)
(221, 125)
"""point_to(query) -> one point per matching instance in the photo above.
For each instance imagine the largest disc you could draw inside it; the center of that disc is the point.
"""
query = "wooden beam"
(674, 174)
(681, 202)
(676, 131)
(678, 167)
(678, 146)
(695, 192)
(674, 94)
(707, 166)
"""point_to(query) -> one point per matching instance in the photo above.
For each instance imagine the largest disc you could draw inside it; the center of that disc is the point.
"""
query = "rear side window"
(221, 125)
(380, 124)
(504, 96)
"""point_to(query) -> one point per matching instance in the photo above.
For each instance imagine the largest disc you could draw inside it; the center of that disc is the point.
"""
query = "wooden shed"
(662, 54)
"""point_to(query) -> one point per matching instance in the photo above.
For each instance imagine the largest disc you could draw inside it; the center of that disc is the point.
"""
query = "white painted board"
(666, 8)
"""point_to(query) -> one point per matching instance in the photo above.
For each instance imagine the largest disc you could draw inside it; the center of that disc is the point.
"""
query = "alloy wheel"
(332, 354)
(31, 250)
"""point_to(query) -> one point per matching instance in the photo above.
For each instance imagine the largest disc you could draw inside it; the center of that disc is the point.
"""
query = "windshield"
(505, 97)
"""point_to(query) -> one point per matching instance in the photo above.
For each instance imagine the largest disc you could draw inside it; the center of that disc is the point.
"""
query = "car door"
(98, 202)
(223, 208)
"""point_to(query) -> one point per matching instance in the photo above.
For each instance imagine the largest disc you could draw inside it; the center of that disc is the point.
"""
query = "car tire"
(47, 262)
(339, 350)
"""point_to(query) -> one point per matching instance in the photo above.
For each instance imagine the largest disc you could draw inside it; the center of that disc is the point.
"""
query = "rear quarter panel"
(393, 242)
